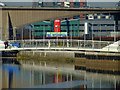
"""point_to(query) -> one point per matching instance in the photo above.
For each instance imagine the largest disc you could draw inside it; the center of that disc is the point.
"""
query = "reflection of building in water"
(24, 77)
(0, 75)
(59, 77)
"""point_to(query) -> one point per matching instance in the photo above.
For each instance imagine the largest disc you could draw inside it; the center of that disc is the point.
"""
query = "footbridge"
(64, 45)
(13, 17)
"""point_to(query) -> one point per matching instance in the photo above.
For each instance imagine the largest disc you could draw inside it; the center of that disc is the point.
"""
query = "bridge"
(19, 16)
(65, 45)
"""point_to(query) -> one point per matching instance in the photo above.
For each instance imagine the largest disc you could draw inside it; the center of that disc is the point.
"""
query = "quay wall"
(68, 54)
(52, 54)
(48, 55)
(89, 61)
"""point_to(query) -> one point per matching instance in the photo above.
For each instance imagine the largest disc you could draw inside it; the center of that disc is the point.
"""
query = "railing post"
(36, 44)
(109, 46)
(23, 44)
(67, 44)
(48, 43)
(78, 44)
(63, 44)
(92, 44)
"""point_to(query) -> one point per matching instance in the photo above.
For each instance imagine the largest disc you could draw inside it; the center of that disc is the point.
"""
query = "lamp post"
(92, 37)
(67, 36)
(71, 35)
(100, 35)
(114, 32)
(22, 36)
(57, 35)
(44, 36)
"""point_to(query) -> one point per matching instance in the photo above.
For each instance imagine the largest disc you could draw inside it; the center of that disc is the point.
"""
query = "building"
(89, 25)
(25, 32)
(99, 25)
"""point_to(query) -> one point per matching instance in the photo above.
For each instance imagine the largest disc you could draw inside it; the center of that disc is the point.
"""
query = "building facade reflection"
(14, 76)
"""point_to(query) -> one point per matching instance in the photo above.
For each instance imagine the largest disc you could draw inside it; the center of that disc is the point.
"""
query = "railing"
(61, 43)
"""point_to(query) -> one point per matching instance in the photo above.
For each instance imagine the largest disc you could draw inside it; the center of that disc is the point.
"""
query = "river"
(50, 75)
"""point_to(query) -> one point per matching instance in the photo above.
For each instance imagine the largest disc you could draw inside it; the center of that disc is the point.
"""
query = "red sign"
(57, 25)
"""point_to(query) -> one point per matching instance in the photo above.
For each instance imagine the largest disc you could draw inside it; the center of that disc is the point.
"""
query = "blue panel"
(15, 44)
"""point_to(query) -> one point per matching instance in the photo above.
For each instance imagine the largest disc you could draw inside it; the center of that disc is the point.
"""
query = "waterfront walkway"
(65, 45)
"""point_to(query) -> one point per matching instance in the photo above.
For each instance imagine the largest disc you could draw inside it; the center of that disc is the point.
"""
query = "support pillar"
(14, 33)
(5, 27)
(0, 24)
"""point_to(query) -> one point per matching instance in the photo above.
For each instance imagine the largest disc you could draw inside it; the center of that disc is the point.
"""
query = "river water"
(45, 75)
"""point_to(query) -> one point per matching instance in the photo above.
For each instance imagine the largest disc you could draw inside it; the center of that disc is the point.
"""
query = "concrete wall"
(48, 54)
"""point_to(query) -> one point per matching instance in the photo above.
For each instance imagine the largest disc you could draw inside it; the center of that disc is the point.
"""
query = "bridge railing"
(61, 43)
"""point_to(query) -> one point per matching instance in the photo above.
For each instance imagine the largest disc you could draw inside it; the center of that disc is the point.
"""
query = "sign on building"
(57, 25)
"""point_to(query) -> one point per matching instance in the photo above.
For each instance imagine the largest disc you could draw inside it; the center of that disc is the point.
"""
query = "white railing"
(61, 43)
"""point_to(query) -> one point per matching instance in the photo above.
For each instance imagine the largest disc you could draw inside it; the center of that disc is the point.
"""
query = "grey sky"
(57, 0)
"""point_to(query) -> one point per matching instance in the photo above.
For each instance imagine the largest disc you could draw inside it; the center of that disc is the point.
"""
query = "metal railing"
(61, 43)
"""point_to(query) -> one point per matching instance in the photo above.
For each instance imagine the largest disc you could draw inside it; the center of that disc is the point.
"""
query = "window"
(95, 24)
(37, 31)
(36, 25)
(81, 24)
(64, 25)
(107, 24)
(103, 17)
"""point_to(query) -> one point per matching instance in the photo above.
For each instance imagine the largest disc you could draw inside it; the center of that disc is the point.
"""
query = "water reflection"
(0, 75)
(16, 76)
(10, 60)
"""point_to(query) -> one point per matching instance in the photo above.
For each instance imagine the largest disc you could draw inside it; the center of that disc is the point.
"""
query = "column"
(14, 33)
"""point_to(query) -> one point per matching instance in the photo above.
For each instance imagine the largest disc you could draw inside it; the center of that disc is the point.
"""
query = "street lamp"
(57, 35)
(71, 35)
(114, 32)
(43, 35)
(92, 37)
(100, 35)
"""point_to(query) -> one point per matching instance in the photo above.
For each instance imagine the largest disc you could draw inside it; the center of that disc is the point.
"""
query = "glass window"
(81, 24)
(95, 25)
(103, 17)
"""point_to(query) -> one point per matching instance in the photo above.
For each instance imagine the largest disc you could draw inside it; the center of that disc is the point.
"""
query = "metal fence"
(63, 43)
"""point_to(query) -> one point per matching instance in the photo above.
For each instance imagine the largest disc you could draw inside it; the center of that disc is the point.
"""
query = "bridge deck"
(62, 49)
(66, 45)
